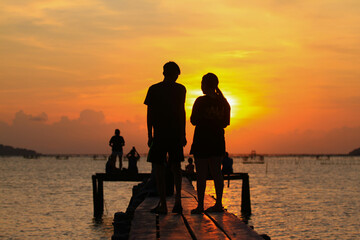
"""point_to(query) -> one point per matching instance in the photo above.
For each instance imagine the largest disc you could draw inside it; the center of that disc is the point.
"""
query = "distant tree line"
(10, 151)
(355, 152)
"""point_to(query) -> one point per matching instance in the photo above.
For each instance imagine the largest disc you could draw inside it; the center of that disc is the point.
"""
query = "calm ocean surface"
(292, 198)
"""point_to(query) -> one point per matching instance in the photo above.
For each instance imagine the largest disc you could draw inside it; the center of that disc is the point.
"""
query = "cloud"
(87, 134)
(22, 118)
(90, 134)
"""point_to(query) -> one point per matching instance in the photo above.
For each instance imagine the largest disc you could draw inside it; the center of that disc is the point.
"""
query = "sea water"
(291, 197)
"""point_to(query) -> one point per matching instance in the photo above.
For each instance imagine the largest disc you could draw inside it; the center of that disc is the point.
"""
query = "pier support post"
(101, 196)
(95, 196)
(98, 196)
(245, 196)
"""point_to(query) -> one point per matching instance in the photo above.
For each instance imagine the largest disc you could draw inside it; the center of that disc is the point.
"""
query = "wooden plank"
(172, 225)
(146, 225)
(234, 227)
(229, 223)
(201, 225)
(143, 224)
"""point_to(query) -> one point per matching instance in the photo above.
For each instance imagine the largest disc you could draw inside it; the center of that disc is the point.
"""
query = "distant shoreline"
(186, 156)
(11, 151)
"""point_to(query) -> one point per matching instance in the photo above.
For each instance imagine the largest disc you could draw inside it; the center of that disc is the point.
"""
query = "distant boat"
(323, 159)
(99, 157)
(253, 158)
(31, 156)
(62, 157)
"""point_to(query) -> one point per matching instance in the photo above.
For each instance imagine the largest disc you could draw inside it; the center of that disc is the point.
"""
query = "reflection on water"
(296, 198)
(301, 198)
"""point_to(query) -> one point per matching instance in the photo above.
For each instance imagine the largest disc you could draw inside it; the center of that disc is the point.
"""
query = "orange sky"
(290, 69)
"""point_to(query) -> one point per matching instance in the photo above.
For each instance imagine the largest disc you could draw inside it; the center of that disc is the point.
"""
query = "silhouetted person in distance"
(166, 132)
(117, 142)
(227, 164)
(210, 115)
(190, 167)
(110, 165)
(133, 156)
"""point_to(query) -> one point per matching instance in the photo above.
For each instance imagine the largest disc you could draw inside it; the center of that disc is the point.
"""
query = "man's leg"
(120, 160)
(176, 170)
(161, 187)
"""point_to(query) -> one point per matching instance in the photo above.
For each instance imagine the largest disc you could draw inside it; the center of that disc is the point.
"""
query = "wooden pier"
(99, 178)
(146, 225)
(98, 186)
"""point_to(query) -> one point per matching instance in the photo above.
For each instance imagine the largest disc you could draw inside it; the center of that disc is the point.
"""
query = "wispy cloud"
(291, 61)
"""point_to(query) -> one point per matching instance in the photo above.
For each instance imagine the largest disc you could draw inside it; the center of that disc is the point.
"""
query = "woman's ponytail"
(218, 92)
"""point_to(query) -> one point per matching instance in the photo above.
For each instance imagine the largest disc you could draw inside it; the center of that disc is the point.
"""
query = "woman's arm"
(195, 116)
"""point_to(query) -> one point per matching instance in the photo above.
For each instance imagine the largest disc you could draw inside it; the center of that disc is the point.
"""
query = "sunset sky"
(73, 71)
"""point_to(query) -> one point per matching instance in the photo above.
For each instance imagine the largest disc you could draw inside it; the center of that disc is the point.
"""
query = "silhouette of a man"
(166, 132)
(116, 143)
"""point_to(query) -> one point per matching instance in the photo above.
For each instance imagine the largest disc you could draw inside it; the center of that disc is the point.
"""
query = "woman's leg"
(215, 171)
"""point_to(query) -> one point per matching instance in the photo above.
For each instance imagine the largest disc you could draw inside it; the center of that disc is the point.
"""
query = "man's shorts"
(158, 153)
(117, 153)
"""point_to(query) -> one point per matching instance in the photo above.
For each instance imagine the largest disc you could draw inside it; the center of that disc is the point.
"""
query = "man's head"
(117, 132)
(171, 71)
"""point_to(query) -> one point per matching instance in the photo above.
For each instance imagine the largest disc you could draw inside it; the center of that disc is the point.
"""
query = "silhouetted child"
(227, 165)
(190, 167)
(117, 142)
(133, 156)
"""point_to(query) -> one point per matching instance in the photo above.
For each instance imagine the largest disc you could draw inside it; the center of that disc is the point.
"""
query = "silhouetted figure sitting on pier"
(133, 156)
(117, 142)
(227, 165)
(190, 167)
(110, 165)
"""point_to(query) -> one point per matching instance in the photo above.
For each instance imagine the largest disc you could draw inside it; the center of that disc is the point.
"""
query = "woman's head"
(209, 83)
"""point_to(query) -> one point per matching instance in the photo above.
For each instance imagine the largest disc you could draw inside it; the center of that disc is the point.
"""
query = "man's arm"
(184, 127)
(183, 119)
(150, 124)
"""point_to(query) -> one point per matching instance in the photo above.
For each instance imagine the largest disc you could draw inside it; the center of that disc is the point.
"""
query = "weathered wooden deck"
(99, 178)
(146, 225)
